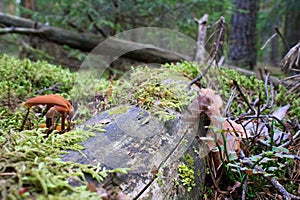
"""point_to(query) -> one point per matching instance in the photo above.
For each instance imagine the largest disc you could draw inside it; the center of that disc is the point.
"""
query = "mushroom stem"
(48, 122)
(25, 118)
(63, 119)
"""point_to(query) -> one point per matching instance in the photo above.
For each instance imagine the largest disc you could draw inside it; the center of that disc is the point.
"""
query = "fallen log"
(153, 149)
(87, 42)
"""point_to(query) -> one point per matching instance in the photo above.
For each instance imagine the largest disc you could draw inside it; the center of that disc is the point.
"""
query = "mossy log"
(151, 148)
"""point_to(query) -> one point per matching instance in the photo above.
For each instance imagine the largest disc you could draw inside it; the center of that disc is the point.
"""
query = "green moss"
(118, 110)
(186, 172)
(35, 161)
(158, 90)
(188, 159)
(187, 177)
(160, 182)
(20, 79)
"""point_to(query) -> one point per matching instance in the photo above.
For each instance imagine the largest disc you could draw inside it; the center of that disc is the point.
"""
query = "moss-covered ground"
(30, 164)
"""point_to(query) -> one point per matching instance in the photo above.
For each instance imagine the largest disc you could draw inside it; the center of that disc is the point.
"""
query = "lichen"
(118, 110)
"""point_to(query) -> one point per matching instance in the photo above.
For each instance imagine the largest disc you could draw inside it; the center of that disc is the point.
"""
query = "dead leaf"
(154, 171)
(281, 112)
(210, 102)
(235, 129)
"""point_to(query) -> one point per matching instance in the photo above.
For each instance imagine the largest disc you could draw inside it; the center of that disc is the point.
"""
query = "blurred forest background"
(257, 34)
(251, 24)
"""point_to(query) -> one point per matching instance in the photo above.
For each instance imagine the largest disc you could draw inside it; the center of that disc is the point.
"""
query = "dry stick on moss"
(217, 45)
(266, 105)
(243, 96)
(266, 117)
(25, 118)
(286, 195)
(229, 102)
(53, 88)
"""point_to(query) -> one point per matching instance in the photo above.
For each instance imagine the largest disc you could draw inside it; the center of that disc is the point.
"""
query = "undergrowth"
(30, 163)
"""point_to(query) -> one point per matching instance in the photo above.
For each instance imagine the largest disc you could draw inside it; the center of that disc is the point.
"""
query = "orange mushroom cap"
(65, 100)
(51, 100)
(61, 109)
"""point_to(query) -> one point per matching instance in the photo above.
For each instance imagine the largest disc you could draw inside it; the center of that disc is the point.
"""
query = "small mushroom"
(51, 116)
(55, 104)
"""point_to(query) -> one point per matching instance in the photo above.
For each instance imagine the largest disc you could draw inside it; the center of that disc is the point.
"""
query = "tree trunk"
(2, 6)
(292, 26)
(242, 36)
(274, 52)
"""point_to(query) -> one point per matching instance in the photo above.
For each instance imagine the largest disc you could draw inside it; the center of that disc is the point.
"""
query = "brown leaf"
(210, 102)
(235, 129)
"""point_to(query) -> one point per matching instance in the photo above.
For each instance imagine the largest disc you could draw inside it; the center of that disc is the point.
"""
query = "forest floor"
(256, 137)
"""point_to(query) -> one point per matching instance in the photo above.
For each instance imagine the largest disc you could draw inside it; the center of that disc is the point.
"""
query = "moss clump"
(189, 69)
(30, 163)
(21, 79)
(162, 91)
(186, 172)
(33, 165)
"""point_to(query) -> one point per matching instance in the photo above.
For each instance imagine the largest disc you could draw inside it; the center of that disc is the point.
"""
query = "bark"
(242, 36)
(87, 42)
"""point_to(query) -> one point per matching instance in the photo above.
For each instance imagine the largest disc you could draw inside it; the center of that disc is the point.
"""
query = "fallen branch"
(87, 42)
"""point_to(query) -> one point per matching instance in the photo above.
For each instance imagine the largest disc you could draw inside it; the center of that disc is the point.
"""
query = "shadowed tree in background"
(292, 22)
(242, 35)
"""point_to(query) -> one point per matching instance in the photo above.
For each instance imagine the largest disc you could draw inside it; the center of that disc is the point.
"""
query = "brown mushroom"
(55, 103)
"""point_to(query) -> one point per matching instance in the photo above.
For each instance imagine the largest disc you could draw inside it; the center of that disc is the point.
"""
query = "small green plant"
(186, 176)
(186, 172)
